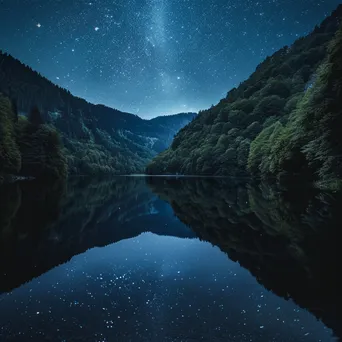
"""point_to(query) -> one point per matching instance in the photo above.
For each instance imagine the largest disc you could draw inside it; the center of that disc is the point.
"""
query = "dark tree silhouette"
(15, 109)
(35, 117)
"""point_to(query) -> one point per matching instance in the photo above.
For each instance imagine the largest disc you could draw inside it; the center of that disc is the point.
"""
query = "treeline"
(281, 122)
(28, 147)
(309, 144)
(98, 139)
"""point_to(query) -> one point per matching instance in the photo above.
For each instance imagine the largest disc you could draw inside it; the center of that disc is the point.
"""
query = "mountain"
(282, 121)
(97, 139)
(283, 236)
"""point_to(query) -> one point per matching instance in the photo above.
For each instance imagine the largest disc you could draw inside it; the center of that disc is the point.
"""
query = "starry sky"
(152, 57)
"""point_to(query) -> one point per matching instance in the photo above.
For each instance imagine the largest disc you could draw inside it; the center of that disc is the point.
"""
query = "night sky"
(152, 57)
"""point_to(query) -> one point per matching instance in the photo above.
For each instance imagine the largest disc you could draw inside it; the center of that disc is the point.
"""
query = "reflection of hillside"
(42, 226)
(287, 241)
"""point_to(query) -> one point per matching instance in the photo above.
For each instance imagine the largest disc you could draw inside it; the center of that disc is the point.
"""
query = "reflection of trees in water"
(26, 209)
(43, 225)
(285, 237)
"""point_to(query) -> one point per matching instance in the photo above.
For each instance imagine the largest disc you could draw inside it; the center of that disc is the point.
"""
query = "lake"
(168, 259)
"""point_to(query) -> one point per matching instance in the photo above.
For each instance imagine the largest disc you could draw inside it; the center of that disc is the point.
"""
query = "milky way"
(152, 57)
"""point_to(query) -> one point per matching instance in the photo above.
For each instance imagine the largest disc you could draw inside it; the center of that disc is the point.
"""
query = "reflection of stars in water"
(151, 289)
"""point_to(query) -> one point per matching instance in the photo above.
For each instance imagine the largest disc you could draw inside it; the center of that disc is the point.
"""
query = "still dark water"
(167, 259)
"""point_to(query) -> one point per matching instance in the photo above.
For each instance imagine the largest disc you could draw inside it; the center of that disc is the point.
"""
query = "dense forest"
(282, 121)
(96, 139)
(283, 236)
(27, 145)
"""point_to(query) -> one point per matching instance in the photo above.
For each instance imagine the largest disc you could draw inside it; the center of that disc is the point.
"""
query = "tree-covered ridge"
(98, 139)
(219, 140)
(284, 236)
(309, 144)
(28, 147)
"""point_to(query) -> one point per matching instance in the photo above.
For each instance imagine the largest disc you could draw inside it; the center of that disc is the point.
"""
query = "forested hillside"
(282, 121)
(97, 139)
(29, 147)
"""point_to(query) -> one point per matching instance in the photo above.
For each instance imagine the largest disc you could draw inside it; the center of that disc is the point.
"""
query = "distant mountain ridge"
(97, 138)
(283, 121)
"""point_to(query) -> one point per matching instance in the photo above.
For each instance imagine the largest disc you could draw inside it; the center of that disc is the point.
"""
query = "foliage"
(309, 145)
(35, 117)
(41, 150)
(28, 149)
(260, 155)
(10, 159)
(263, 126)
(118, 142)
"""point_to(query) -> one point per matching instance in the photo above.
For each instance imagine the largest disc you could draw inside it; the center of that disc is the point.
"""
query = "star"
(133, 42)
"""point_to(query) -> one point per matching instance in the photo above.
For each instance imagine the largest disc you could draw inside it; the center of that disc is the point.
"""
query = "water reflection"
(154, 280)
(285, 237)
(44, 225)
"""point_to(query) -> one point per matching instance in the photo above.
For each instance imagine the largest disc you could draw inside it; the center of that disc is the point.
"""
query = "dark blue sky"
(152, 57)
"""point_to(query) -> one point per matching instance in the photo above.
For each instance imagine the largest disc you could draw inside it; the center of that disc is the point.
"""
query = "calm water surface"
(157, 259)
